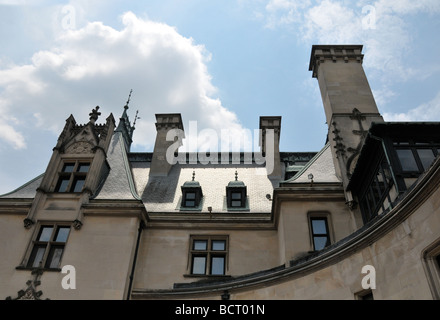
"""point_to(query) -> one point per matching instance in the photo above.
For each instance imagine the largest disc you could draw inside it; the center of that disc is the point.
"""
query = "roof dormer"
(192, 195)
(236, 195)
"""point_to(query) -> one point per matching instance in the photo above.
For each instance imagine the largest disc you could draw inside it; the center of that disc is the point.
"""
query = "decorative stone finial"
(94, 114)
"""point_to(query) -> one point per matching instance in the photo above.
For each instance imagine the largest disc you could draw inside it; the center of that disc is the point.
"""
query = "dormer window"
(236, 194)
(72, 176)
(192, 195)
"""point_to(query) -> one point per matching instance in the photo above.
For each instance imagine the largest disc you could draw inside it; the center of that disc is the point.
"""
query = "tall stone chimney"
(349, 104)
(270, 144)
(160, 165)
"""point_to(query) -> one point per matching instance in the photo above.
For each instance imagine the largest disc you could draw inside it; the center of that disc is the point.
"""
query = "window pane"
(62, 234)
(200, 245)
(78, 184)
(218, 245)
(190, 203)
(218, 265)
(190, 195)
(407, 160)
(45, 233)
(319, 242)
(236, 195)
(62, 185)
(68, 167)
(199, 264)
(236, 203)
(426, 157)
(36, 256)
(54, 258)
(318, 226)
(83, 167)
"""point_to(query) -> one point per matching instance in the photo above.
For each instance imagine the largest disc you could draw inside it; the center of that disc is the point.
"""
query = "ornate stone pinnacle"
(94, 114)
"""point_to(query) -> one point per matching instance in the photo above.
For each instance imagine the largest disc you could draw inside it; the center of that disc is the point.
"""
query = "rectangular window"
(208, 255)
(190, 199)
(72, 177)
(407, 160)
(426, 157)
(236, 197)
(320, 233)
(48, 246)
(236, 200)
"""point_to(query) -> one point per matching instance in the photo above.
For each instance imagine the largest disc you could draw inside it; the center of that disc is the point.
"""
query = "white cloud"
(98, 65)
(429, 111)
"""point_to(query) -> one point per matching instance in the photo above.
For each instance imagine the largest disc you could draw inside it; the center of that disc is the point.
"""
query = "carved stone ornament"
(28, 223)
(77, 224)
(31, 293)
(80, 147)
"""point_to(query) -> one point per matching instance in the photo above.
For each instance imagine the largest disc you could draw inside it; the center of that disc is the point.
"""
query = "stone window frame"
(209, 254)
(320, 215)
(431, 264)
(71, 176)
(51, 243)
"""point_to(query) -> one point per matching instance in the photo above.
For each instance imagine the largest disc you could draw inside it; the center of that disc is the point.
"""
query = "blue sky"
(220, 63)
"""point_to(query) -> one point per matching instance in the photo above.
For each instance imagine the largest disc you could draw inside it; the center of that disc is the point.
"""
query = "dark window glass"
(218, 265)
(319, 226)
(37, 256)
(190, 195)
(320, 235)
(48, 244)
(200, 245)
(190, 199)
(426, 157)
(54, 257)
(83, 167)
(63, 183)
(45, 233)
(199, 265)
(236, 195)
(62, 234)
(68, 167)
(208, 256)
(407, 160)
(236, 200)
(78, 184)
(218, 245)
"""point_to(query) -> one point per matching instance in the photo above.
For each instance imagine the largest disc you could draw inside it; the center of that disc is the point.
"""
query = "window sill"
(33, 268)
(207, 276)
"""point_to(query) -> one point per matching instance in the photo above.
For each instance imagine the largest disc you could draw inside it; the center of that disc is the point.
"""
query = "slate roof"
(321, 166)
(26, 191)
(163, 194)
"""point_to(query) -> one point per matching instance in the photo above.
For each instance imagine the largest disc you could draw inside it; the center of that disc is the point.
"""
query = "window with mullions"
(72, 176)
(208, 255)
(416, 157)
(376, 196)
(48, 246)
(320, 233)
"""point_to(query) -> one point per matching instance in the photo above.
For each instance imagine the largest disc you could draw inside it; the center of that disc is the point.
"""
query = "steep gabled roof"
(321, 166)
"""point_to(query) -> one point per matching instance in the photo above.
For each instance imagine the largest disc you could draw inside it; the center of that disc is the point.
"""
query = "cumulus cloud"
(382, 26)
(429, 111)
(98, 65)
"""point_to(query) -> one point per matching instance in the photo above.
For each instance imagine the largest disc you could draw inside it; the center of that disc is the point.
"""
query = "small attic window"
(236, 194)
(191, 194)
(72, 176)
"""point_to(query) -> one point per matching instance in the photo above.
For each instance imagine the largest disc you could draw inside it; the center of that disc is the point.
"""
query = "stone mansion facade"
(132, 225)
